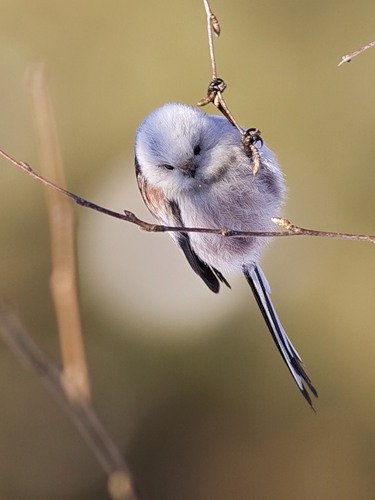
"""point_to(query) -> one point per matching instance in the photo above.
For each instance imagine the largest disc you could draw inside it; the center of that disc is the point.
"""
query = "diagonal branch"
(82, 415)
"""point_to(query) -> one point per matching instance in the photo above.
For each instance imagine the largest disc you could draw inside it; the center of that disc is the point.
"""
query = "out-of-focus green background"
(190, 385)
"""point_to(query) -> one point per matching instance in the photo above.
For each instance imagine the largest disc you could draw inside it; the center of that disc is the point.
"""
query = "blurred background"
(189, 384)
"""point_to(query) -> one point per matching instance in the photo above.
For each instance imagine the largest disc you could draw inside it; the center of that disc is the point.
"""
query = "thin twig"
(349, 57)
(215, 93)
(213, 26)
(82, 415)
(62, 229)
(127, 216)
(217, 85)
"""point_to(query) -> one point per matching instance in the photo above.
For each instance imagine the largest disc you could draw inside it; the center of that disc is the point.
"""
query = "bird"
(192, 171)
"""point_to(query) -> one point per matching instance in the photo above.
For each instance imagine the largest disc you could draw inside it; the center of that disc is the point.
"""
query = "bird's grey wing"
(261, 290)
(168, 213)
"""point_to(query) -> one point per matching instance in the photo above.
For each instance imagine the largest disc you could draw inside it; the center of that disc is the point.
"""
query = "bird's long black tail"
(261, 290)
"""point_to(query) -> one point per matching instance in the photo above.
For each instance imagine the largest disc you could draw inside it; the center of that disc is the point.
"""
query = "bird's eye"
(197, 150)
(168, 167)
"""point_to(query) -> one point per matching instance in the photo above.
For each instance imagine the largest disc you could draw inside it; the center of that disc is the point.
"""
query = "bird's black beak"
(189, 168)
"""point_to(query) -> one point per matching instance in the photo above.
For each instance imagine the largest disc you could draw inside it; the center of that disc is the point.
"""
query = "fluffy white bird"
(192, 171)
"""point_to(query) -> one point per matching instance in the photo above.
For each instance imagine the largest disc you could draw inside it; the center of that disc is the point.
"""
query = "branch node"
(286, 224)
(215, 25)
(26, 165)
(215, 87)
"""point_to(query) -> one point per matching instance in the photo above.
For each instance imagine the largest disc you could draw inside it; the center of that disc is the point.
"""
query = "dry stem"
(62, 229)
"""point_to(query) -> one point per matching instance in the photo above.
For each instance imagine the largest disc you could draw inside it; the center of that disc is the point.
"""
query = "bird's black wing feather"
(209, 275)
(201, 268)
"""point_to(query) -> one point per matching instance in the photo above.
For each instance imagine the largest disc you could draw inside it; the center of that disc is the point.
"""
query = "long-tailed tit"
(192, 171)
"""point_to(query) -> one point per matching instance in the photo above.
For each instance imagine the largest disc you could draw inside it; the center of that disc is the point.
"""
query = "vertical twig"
(62, 229)
(217, 85)
(72, 387)
(215, 90)
(212, 26)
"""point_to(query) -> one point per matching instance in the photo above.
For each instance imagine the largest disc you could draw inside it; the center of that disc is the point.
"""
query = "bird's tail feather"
(261, 290)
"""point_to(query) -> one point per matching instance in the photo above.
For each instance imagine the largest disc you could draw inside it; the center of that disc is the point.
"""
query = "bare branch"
(127, 216)
(62, 229)
(349, 57)
(82, 415)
